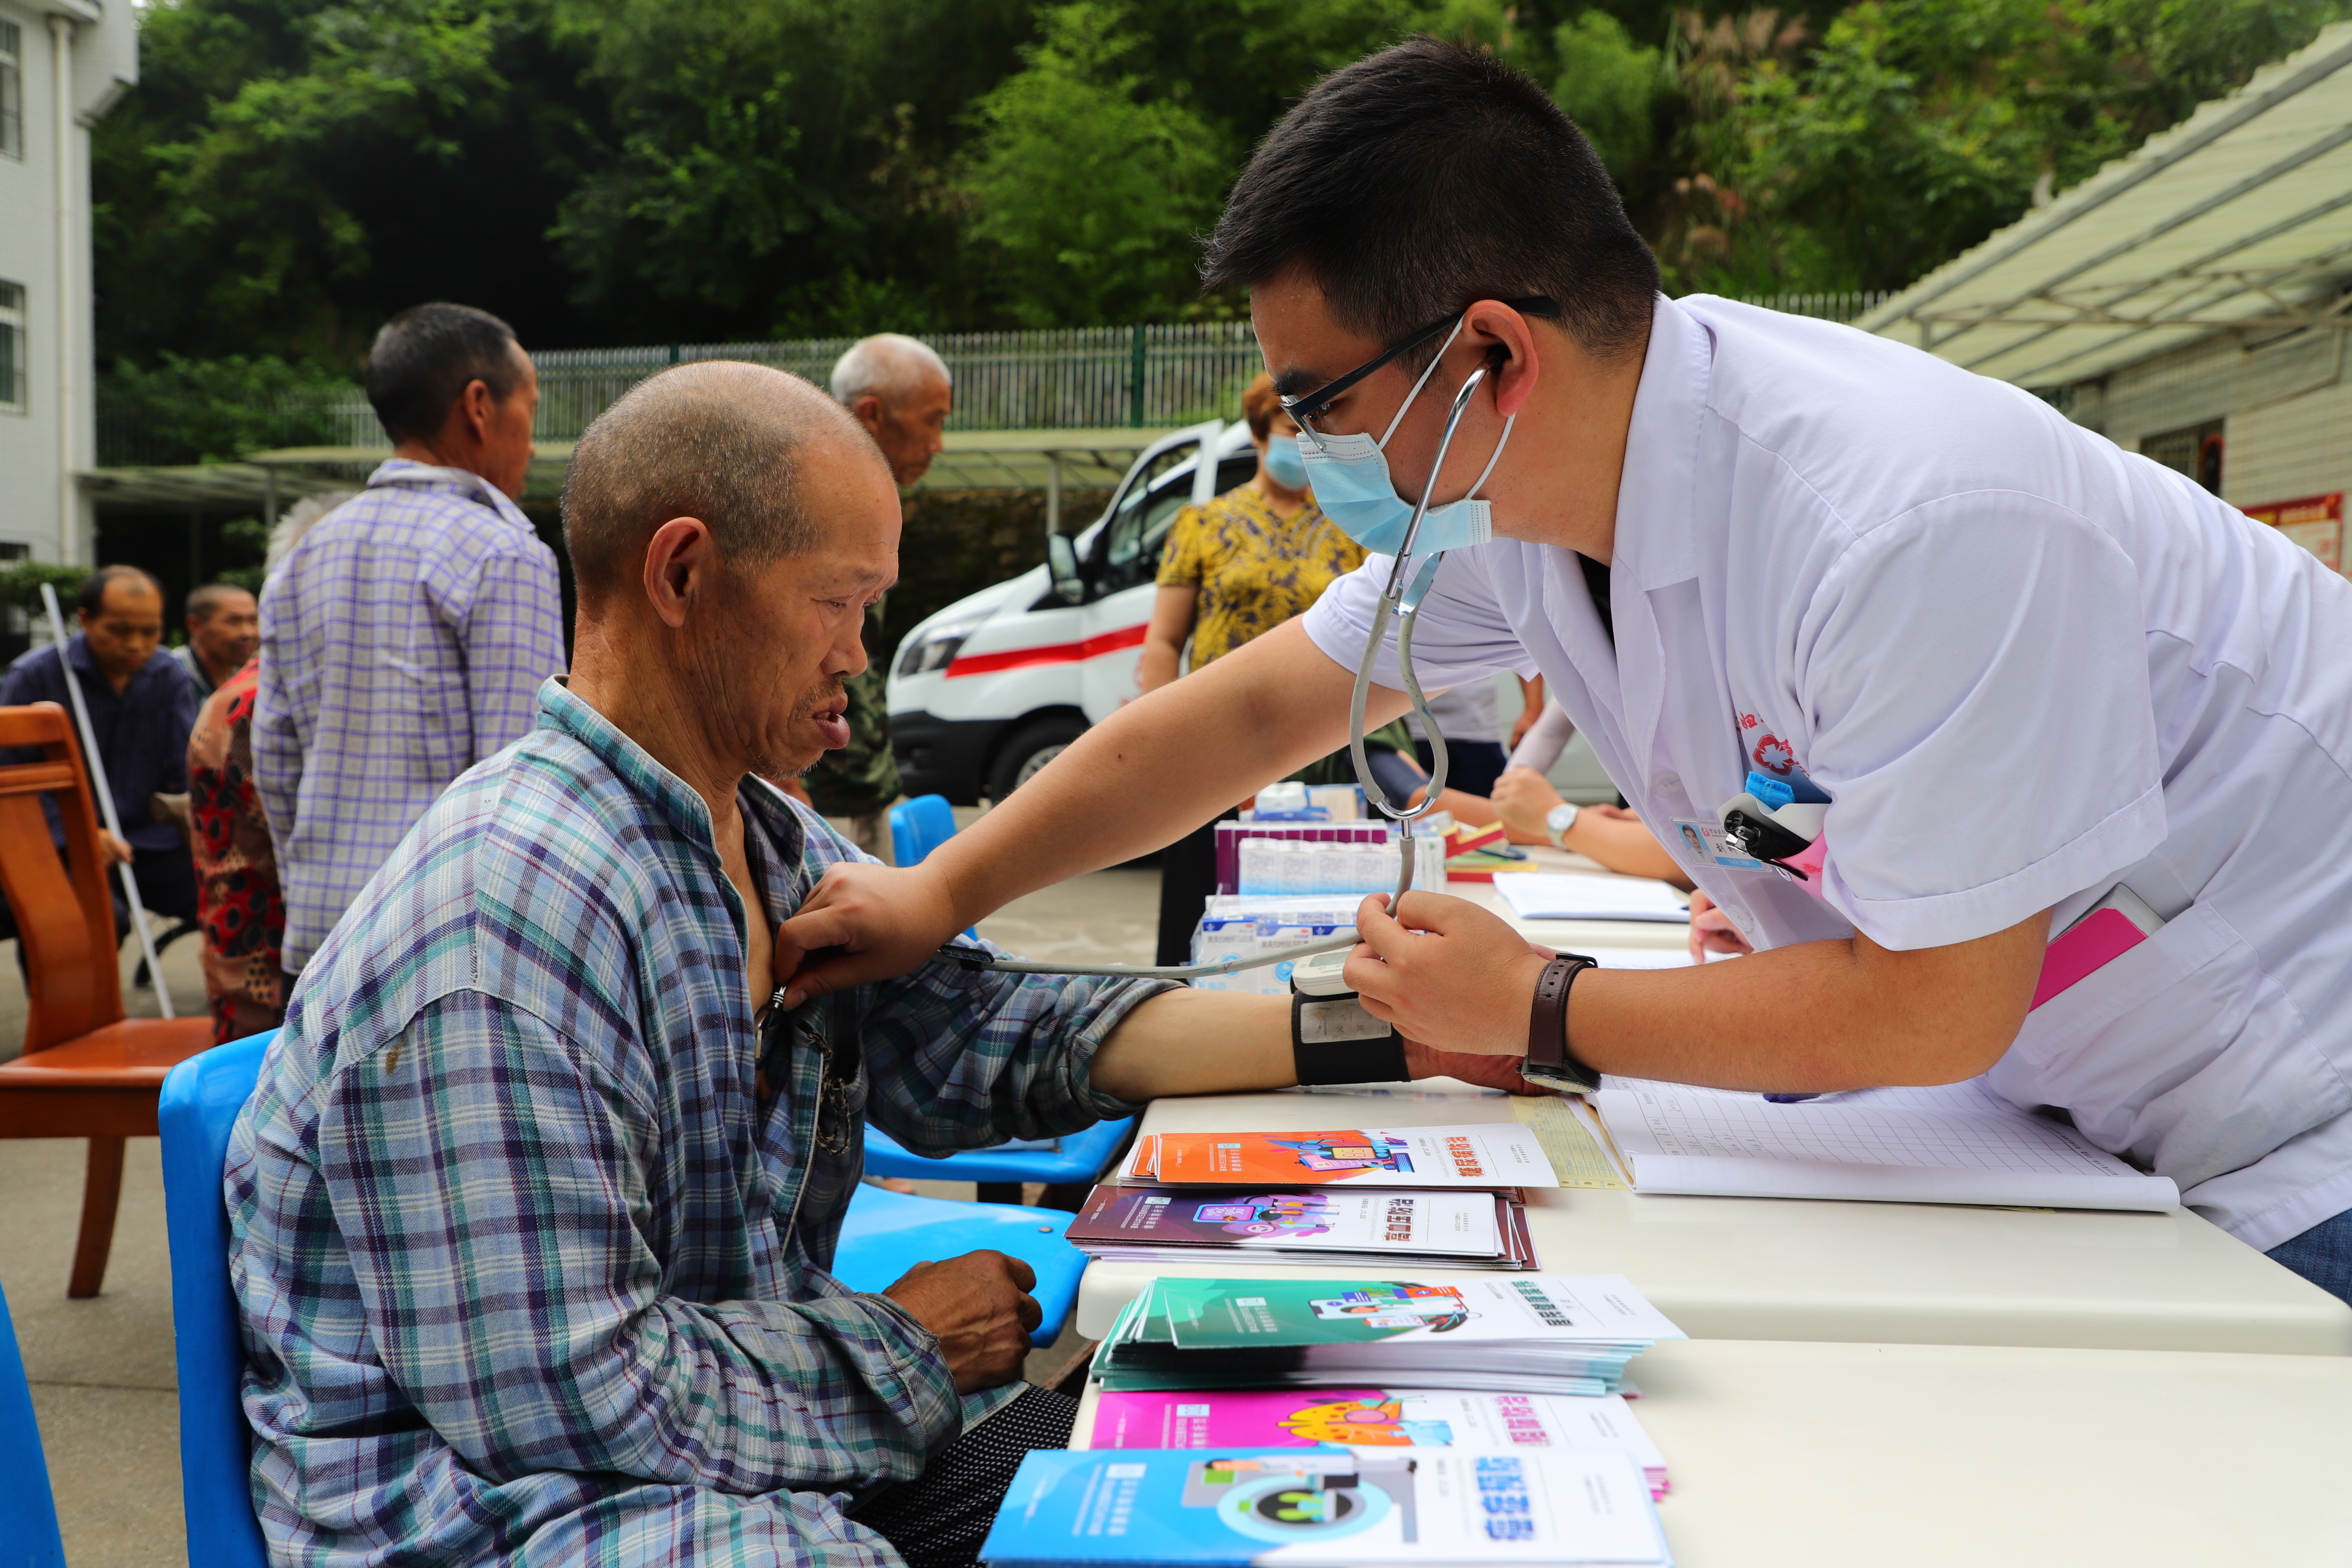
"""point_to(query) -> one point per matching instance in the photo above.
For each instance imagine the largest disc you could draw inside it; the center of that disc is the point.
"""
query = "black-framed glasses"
(1312, 405)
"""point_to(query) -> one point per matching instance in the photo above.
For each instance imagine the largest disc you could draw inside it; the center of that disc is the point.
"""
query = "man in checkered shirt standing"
(406, 637)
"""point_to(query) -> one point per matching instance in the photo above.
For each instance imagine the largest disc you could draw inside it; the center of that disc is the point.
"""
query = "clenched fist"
(980, 1307)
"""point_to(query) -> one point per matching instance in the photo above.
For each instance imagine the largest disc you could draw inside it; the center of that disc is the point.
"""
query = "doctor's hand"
(1451, 975)
(862, 923)
(1711, 930)
(980, 1307)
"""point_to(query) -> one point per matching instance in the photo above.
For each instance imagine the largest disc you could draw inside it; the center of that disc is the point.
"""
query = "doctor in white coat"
(2022, 668)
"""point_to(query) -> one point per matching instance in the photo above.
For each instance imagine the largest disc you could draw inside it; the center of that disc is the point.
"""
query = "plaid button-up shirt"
(528, 1268)
(401, 642)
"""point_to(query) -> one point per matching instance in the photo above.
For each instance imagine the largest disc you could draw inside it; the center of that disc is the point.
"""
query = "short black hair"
(206, 600)
(1427, 176)
(425, 356)
(92, 596)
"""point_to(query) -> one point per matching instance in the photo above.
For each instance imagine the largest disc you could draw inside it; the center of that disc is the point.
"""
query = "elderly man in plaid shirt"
(406, 637)
(534, 1205)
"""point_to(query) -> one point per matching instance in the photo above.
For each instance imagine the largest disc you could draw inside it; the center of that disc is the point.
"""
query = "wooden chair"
(86, 1071)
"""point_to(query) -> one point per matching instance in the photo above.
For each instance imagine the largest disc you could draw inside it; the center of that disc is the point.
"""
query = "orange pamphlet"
(1487, 1154)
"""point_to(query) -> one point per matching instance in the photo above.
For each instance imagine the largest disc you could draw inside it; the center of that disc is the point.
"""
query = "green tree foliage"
(213, 411)
(1914, 128)
(290, 172)
(1087, 190)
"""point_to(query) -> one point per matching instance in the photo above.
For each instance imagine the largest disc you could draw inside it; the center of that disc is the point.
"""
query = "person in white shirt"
(2020, 667)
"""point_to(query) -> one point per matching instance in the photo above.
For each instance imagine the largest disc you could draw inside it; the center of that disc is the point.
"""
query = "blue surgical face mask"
(1350, 475)
(1283, 464)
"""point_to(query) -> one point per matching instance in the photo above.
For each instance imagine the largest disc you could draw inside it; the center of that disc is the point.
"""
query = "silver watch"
(1558, 820)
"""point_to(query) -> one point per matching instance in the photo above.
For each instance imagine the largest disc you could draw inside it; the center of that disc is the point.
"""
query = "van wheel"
(1031, 748)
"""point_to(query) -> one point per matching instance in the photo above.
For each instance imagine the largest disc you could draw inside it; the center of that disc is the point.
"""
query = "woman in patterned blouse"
(1233, 570)
(238, 897)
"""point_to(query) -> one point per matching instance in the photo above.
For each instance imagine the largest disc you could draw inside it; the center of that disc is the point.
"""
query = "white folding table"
(1859, 1456)
(1767, 1269)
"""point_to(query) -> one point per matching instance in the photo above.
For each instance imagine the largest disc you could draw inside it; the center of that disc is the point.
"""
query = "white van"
(991, 688)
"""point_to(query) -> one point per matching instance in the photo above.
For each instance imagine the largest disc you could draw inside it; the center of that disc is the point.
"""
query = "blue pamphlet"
(1364, 1508)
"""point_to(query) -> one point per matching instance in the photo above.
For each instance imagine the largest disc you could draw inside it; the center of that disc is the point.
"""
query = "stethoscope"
(1400, 602)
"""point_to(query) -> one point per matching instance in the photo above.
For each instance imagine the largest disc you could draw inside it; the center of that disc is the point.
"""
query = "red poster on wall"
(2315, 522)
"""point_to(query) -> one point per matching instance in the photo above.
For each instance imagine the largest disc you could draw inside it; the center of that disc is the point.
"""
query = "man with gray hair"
(535, 1205)
(901, 391)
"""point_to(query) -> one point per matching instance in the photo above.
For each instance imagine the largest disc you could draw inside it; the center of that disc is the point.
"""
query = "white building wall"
(2292, 447)
(39, 507)
(2286, 407)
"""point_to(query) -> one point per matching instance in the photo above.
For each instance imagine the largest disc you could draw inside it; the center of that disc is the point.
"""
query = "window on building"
(12, 89)
(12, 348)
(2195, 451)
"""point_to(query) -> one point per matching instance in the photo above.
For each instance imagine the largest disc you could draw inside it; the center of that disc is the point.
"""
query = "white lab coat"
(2023, 665)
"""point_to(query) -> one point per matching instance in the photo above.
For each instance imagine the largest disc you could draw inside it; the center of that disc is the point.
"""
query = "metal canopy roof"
(2239, 218)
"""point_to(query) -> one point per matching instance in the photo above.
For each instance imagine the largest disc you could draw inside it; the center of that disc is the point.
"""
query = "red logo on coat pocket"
(1775, 755)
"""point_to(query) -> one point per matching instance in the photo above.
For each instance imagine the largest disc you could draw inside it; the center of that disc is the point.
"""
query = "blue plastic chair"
(887, 1233)
(1081, 1158)
(918, 826)
(199, 1106)
(28, 1514)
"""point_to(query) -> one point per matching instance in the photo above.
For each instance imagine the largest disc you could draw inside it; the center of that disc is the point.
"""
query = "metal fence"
(1073, 379)
(1840, 306)
(1064, 379)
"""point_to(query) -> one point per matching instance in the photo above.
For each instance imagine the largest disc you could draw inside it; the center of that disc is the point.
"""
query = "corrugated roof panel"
(2240, 214)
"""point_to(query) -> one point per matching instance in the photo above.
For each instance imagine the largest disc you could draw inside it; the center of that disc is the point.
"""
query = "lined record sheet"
(1955, 1143)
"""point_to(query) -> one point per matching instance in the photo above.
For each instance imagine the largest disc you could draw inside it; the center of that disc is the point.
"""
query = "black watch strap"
(1550, 1061)
(1333, 1040)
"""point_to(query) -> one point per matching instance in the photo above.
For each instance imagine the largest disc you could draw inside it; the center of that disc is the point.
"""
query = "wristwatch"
(1548, 1061)
(1558, 820)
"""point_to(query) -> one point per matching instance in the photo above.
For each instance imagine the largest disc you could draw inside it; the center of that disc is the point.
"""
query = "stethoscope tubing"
(1400, 601)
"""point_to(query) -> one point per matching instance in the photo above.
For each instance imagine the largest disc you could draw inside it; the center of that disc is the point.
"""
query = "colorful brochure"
(1533, 1334)
(1484, 1154)
(1371, 1418)
(1381, 1228)
(1327, 1506)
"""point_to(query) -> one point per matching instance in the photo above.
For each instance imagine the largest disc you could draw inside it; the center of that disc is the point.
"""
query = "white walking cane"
(106, 798)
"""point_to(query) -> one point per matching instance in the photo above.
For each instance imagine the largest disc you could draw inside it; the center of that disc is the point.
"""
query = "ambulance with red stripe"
(991, 688)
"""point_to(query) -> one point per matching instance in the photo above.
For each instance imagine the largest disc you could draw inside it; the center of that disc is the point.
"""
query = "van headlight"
(935, 648)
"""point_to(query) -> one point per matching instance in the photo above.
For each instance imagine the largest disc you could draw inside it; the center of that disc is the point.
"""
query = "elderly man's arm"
(962, 1059)
(514, 641)
(489, 1180)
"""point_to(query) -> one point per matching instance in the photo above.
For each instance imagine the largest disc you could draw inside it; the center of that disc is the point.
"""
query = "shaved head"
(717, 440)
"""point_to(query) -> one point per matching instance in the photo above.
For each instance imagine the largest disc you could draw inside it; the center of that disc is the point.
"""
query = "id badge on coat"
(1708, 842)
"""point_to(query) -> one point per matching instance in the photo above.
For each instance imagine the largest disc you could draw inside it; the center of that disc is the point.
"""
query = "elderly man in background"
(141, 708)
(406, 637)
(901, 392)
(224, 626)
(533, 1221)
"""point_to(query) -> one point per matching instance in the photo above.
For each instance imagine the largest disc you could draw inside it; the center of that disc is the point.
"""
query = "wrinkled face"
(124, 632)
(910, 430)
(774, 662)
(228, 637)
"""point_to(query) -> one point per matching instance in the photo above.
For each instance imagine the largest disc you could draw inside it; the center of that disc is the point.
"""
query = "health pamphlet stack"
(1487, 1154)
(1381, 1227)
(1363, 1507)
(1535, 1333)
(1377, 1418)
